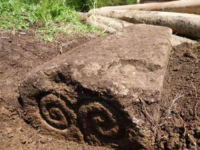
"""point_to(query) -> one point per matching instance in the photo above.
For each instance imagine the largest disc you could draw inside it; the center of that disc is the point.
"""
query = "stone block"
(96, 92)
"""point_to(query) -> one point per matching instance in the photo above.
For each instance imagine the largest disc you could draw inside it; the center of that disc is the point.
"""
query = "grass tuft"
(47, 17)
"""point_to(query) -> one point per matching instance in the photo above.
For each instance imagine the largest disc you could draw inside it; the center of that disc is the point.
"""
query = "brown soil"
(180, 123)
(179, 127)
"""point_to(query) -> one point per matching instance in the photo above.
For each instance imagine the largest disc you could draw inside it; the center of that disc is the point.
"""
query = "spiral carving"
(56, 112)
(100, 121)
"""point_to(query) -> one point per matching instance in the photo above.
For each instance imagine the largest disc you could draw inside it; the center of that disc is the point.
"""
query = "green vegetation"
(85, 5)
(48, 17)
(100, 3)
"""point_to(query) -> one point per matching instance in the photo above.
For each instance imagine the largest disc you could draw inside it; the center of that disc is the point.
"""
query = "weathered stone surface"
(96, 92)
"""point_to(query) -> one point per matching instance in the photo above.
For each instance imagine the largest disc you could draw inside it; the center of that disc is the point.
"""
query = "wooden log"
(184, 6)
(187, 25)
(111, 25)
(152, 1)
(101, 26)
(115, 24)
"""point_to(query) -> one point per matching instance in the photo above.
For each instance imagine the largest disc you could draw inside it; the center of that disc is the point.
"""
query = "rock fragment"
(96, 93)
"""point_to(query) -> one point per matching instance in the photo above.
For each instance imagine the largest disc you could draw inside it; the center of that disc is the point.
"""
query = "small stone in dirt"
(43, 140)
(10, 135)
(22, 33)
(9, 130)
(23, 141)
(20, 129)
(190, 54)
(4, 111)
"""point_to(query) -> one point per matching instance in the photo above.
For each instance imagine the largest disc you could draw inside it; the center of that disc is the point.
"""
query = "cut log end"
(111, 25)
(187, 25)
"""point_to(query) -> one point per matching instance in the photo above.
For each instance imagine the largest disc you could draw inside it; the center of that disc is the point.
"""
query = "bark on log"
(152, 1)
(111, 25)
(185, 6)
(187, 25)
(93, 21)
(98, 91)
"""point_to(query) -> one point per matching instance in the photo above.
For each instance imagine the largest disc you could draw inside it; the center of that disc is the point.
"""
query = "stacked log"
(180, 16)
(152, 1)
(184, 6)
(111, 25)
(187, 25)
(107, 24)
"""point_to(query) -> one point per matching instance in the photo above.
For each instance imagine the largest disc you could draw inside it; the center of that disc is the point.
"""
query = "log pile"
(181, 16)
(184, 6)
(110, 25)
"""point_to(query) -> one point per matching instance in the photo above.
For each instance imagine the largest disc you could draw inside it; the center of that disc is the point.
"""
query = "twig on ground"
(151, 120)
(195, 110)
(178, 96)
(195, 89)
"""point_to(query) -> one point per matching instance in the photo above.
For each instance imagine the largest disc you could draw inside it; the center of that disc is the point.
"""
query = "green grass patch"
(100, 3)
(85, 5)
(48, 17)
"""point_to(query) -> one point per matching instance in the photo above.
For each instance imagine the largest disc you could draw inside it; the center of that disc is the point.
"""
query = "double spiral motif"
(98, 120)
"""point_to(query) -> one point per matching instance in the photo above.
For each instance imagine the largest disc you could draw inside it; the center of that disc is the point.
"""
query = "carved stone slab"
(95, 92)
